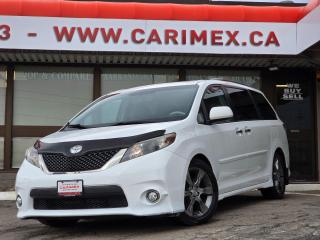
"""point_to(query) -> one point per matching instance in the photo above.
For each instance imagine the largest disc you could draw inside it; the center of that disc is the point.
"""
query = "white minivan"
(174, 149)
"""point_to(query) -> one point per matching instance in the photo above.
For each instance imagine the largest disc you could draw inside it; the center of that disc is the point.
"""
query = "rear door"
(267, 125)
(255, 139)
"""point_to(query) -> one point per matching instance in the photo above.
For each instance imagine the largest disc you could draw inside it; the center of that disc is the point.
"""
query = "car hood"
(109, 132)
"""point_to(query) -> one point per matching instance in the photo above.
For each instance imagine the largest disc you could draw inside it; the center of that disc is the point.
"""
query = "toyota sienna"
(167, 149)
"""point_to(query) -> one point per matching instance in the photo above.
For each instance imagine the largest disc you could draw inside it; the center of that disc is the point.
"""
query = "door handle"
(247, 130)
(239, 131)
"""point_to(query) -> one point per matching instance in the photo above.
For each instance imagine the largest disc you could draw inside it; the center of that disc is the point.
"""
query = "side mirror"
(220, 113)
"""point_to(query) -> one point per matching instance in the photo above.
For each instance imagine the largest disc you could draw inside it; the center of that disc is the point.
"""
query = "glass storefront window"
(50, 96)
(20, 144)
(3, 86)
(1, 152)
(249, 78)
(113, 79)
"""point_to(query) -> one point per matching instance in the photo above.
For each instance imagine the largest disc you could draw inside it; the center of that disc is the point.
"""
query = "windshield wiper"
(130, 123)
(78, 126)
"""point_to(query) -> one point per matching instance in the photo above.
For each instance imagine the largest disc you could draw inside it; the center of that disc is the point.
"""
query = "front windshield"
(137, 107)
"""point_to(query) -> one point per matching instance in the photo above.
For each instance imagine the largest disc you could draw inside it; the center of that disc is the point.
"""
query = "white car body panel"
(239, 163)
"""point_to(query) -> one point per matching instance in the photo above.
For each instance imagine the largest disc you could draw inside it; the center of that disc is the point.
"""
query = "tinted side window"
(243, 106)
(213, 97)
(265, 109)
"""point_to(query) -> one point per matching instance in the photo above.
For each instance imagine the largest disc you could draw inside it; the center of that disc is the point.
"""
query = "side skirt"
(242, 190)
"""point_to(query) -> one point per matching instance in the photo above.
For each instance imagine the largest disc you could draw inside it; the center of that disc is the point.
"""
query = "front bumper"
(163, 171)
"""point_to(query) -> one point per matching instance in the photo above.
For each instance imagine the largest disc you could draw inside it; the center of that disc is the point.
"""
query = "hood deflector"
(95, 145)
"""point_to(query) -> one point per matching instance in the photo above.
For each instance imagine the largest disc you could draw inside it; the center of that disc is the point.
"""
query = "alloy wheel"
(198, 192)
(278, 176)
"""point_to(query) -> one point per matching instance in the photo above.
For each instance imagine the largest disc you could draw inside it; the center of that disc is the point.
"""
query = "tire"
(278, 189)
(201, 194)
(58, 223)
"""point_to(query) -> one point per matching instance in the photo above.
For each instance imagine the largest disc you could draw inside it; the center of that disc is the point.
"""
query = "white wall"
(308, 26)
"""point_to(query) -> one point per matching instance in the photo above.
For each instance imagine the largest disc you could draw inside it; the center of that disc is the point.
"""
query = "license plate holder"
(70, 188)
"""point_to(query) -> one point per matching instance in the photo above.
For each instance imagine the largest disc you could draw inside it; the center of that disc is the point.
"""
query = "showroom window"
(248, 78)
(113, 79)
(20, 144)
(44, 99)
(1, 152)
(50, 96)
(3, 87)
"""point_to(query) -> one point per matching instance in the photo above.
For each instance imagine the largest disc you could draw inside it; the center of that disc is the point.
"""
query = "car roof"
(186, 83)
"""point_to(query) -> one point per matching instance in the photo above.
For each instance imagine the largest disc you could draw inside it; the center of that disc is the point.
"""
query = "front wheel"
(201, 194)
(278, 189)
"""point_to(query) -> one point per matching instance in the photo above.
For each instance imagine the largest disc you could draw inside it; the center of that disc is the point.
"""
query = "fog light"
(19, 201)
(153, 196)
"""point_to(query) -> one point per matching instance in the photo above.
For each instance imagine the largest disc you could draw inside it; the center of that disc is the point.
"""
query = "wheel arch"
(280, 152)
(202, 157)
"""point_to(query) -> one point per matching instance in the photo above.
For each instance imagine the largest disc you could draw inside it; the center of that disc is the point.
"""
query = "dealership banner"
(115, 35)
(265, 1)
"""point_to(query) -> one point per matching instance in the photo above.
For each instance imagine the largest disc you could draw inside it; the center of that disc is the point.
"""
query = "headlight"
(148, 146)
(32, 156)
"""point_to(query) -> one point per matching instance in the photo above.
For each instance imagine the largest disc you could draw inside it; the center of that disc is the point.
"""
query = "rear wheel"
(278, 189)
(201, 194)
(58, 223)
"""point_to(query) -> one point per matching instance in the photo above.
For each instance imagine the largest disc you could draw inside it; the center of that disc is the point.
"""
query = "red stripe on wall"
(151, 11)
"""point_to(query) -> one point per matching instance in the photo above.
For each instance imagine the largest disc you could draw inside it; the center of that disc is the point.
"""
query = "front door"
(228, 142)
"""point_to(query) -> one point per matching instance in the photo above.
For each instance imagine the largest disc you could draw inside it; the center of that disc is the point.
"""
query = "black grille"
(69, 203)
(57, 162)
(92, 198)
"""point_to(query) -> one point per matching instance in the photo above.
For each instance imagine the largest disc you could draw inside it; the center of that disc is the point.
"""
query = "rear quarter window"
(266, 111)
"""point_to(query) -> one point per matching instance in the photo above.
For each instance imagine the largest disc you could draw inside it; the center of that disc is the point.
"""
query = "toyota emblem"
(76, 149)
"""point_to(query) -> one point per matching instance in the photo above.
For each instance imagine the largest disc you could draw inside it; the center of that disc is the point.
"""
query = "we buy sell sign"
(114, 35)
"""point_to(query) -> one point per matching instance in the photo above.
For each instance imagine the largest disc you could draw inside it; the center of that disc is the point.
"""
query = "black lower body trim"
(93, 197)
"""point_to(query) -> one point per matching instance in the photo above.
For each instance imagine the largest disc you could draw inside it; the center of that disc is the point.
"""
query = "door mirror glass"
(220, 113)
